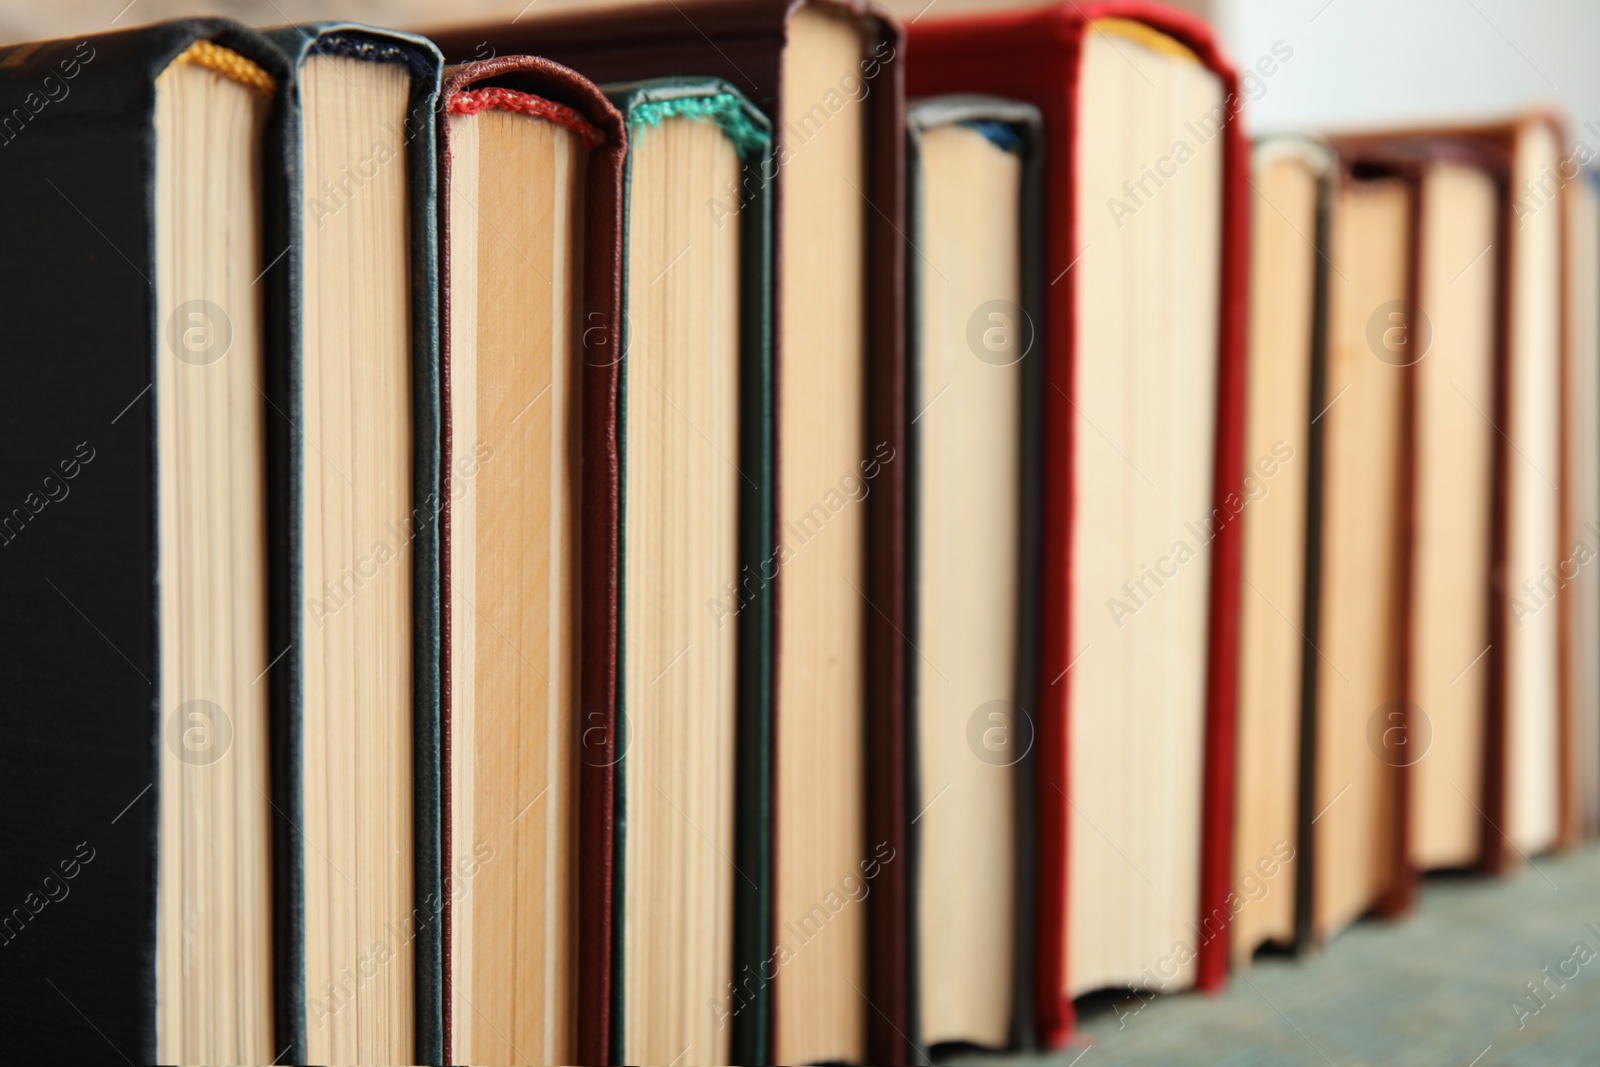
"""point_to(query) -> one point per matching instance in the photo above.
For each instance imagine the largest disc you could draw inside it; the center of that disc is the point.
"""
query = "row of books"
(616, 538)
(1435, 544)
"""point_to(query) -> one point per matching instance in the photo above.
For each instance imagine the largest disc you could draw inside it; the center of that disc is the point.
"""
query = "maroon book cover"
(539, 86)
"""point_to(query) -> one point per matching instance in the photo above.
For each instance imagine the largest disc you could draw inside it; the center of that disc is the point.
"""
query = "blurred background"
(1355, 62)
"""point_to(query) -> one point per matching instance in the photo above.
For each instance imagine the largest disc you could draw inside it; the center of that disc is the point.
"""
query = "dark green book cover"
(287, 451)
(645, 105)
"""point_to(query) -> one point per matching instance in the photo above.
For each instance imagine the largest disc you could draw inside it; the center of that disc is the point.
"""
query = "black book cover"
(1305, 797)
(288, 592)
(78, 553)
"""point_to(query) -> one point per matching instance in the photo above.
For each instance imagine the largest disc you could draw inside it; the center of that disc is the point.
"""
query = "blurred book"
(1581, 474)
(1143, 430)
(1433, 719)
(974, 357)
(1292, 186)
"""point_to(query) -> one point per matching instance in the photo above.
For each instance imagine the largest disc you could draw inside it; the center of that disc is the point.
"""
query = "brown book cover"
(744, 43)
(598, 584)
(1293, 180)
(1361, 160)
(1523, 182)
(1532, 184)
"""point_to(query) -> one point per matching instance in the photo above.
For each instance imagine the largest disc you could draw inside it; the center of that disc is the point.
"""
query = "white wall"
(1371, 63)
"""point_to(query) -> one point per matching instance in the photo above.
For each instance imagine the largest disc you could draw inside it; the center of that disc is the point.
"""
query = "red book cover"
(1034, 56)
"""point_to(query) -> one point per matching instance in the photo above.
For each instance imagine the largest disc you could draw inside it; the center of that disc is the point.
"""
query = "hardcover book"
(1484, 690)
(1292, 185)
(973, 367)
(1425, 741)
(1145, 265)
(140, 211)
(1581, 540)
(692, 787)
(530, 220)
(824, 978)
(354, 434)
(1356, 821)
(1460, 289)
